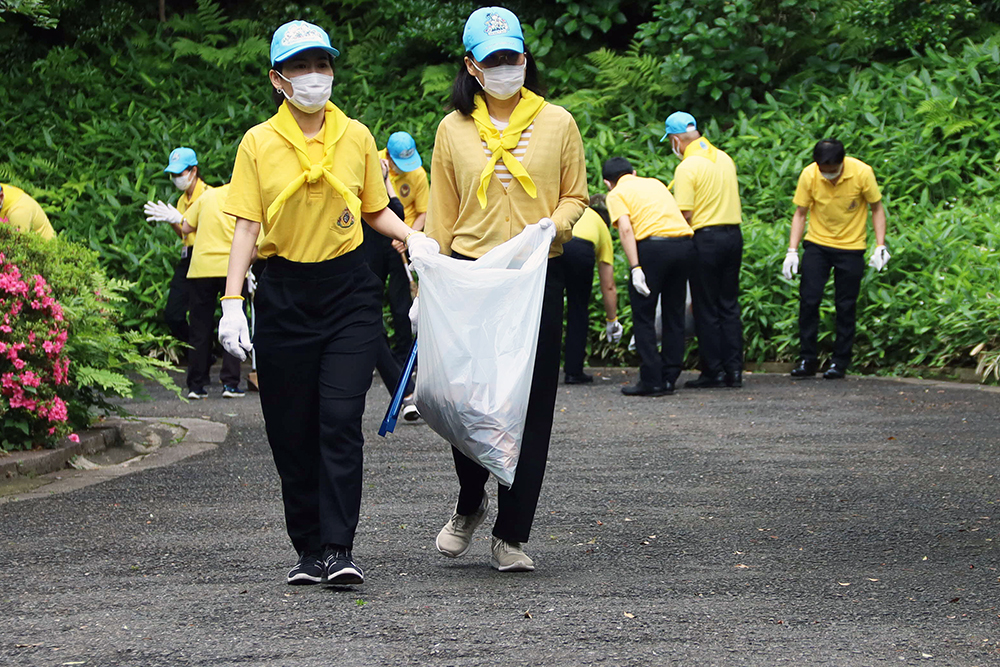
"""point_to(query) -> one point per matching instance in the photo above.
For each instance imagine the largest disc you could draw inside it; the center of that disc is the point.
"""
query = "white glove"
(614, 330)
(419, 245)
(639, 281)
(234, 332)
(879, 258)
(546, 223)
(160, 212)
(791, 264)
(251, 282)
(414, 315)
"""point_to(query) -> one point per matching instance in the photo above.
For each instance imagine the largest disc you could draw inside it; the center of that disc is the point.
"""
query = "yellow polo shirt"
(411, 188)
(24, 213)
(314, 224)
(555, 161)
(838, 213)
(705, 183)
(650, 208)
(184, 203)
(210, 258)
(591, 227)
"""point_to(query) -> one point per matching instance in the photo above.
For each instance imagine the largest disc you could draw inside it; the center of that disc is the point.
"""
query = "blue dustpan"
(392, 414)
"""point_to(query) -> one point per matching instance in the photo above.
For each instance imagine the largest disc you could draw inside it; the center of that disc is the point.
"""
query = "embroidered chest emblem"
(496, 25)
(853, 205)
(346, 219)
(404, 190)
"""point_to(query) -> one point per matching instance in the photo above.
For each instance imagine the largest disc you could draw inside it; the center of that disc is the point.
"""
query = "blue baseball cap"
(403, 151)
(678, 123)
(297, 36)
(180, 159)
(492, 29)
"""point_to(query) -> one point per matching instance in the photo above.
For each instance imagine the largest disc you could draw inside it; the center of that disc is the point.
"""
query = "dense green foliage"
(103, 359)
(94, 117)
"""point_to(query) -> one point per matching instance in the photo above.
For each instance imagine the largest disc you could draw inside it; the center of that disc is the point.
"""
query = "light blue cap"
(403, 151)
(492, 29)
(180, 159)
(679, 122)
(297, 36)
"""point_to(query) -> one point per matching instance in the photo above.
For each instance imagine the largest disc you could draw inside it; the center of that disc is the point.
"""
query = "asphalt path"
(809, 522)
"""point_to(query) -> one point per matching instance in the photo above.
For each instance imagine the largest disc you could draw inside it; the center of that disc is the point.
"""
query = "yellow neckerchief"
(702, 147)
(334, 126)
(197, 191)
(11, 195)
(501, 144)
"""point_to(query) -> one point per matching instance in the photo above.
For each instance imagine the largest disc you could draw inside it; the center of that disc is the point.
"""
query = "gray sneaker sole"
(518, 566)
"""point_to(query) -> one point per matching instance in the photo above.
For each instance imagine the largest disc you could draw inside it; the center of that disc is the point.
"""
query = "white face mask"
(183, 182)
(676, 147)
(835, 175)
(310, 92)
(503, 81)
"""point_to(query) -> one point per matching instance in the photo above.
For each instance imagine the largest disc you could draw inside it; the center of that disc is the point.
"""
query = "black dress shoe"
(734, 380)
(835, 372)
(804, 369)
(707, 381)
(582, 378)
(640, 388)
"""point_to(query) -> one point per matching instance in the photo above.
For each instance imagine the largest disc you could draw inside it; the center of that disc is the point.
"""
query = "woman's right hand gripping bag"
(478, 332)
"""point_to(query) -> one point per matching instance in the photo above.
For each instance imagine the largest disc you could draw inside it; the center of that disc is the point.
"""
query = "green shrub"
(103, 361)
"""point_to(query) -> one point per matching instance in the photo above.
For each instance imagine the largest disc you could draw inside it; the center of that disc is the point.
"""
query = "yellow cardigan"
(554, 160)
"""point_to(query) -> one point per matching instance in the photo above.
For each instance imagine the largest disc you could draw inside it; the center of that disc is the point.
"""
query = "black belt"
(664, 238)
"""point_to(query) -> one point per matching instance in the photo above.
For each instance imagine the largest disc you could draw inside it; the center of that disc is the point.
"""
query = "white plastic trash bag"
(478, 331)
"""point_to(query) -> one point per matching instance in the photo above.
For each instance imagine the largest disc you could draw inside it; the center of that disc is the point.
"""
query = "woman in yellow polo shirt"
(18, 209)
(307, 176)
(505, 158)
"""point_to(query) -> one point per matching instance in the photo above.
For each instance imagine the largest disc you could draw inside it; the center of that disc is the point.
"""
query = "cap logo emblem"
(299, 33)
(407, 154)
(496, 25)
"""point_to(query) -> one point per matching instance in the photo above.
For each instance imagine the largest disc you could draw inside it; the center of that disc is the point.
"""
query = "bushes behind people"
(90, 127)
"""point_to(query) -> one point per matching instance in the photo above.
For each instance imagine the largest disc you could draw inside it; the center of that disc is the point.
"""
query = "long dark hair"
(466, 87)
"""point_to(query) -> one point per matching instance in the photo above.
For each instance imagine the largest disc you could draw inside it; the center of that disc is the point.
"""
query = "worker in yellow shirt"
(185, 173)
(834, 193)
(308, 176)
(657, 242)
(484, 191)
(207, 282)
(17, 208)
(707, 192)
(590, 245)
(402, 165)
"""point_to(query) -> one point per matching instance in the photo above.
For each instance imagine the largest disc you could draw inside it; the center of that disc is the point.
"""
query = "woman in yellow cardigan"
(505, 158)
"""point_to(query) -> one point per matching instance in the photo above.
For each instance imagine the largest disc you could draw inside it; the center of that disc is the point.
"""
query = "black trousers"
(848, 269)
(317, 329)
(386, 263)
(175, 313)
(516, 505)
(715, 297)
(667, 263)
(204, 294)
(579, 260)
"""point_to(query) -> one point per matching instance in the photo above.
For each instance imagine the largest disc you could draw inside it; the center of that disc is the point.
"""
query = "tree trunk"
(163, 11)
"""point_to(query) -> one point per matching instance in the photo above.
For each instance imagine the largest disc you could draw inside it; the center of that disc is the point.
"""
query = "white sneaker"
(509, 556)
(410, 412)
(455, 539)
(196, 395)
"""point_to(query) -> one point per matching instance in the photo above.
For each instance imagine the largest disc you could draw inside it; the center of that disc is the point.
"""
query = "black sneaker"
(341, 569)
(309, 570)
